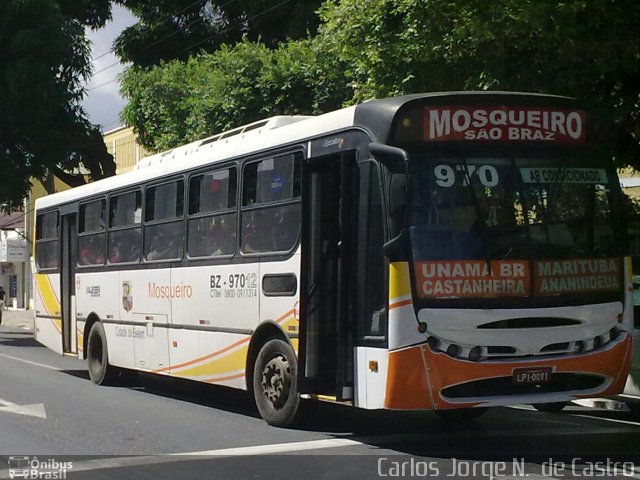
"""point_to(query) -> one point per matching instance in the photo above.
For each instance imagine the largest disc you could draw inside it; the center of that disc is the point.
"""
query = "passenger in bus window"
(283, 231)
(134, 246)
(225, 236)
(163, 247)
(251, 241)
(85, 256)
(116, 253)
(91, 252)
(154, 250)
(174, 249)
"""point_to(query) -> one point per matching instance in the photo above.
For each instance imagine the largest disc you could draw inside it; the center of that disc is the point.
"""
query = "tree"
(177, 102)
(43, 59)
(364, 49)
(169, 30)
(585, 49)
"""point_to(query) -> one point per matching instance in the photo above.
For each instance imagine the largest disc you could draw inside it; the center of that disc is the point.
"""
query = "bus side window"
(163, 230)
(91, 233)
(47, 241)
(270, 219)
(125, 235)
(211, 229)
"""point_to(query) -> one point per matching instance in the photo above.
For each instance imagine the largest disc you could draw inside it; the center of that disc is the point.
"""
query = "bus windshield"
(512, 214)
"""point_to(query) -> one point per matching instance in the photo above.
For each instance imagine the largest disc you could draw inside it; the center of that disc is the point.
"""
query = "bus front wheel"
(275, 383)
(100, 372)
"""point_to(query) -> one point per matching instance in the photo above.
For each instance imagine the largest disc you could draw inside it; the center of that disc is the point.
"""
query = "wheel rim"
(276, 381)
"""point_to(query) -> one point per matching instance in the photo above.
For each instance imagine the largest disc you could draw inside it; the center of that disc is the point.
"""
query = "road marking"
(49, 367)
(33, 410)
(614, 420)
(373, 443)
(569, 414)
(122, 462)
(275, 448)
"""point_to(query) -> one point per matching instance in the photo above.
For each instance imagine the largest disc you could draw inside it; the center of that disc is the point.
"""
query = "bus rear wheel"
(553, 407)
(275, 383)
(100, 372)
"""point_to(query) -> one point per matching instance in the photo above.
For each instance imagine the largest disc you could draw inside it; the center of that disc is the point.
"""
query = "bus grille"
(529, 322)
(504, 386)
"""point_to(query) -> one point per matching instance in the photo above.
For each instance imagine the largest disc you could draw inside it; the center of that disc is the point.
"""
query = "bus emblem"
(127, 298)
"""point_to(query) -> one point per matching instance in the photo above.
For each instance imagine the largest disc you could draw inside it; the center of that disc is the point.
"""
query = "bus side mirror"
(397, 196)
(396, 161)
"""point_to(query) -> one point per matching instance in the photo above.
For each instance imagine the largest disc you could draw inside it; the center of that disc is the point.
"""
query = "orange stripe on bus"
(283, 317)
(218, 352)
(206, 357)
(400, 304)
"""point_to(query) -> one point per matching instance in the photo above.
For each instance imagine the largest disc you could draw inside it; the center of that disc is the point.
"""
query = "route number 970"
(446, 175)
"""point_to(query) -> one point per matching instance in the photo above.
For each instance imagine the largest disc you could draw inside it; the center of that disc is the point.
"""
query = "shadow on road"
(213, 396)
(501, 433)
(77, 373)
(18, 339)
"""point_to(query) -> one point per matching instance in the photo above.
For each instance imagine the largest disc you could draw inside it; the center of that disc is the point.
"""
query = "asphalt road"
(54, 419)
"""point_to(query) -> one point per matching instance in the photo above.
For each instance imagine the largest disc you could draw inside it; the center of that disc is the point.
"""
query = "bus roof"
(374, 115)
(203, 152)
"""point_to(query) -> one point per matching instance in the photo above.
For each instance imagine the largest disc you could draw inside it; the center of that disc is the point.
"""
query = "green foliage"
(588, 49)
(178, 102)
(44, 57)
(175, 29)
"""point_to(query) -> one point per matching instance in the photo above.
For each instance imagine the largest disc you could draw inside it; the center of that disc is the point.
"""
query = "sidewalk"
(20, 319)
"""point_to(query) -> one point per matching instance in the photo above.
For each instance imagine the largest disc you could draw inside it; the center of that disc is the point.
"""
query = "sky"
(103, 102)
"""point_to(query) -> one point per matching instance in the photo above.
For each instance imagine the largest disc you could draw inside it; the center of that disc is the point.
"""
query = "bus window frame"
(213, 213)
(81, 236)
(145, 224)
(48, 240)
(298, 155)
(125, 228)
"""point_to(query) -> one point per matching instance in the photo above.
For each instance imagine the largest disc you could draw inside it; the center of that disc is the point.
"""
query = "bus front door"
(329, 207)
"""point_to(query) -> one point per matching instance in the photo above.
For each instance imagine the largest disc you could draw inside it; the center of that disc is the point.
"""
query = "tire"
(461, 415)
(275, 383)
(100, 372)
(553, 407)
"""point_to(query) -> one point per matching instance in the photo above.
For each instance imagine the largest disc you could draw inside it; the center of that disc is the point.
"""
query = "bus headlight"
(475, 353)
(453, 350)
(578, 346)
(613, 334)
(433, 343)
(597, 343)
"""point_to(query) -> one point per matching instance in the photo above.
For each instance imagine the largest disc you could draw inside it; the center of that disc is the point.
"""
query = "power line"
(236, 25)
(102, 85)
(105, 68)
(154, 43)
(197, 43)
(198, 20)
(103, 55)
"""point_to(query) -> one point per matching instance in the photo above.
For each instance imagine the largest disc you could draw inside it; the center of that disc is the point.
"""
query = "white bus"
(427, 252)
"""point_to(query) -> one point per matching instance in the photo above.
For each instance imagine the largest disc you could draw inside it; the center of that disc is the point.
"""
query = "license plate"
(533, 375)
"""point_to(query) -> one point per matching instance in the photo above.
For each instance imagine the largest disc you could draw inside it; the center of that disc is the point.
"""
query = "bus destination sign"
(503, 124)
(510, 278)
(472, 278)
